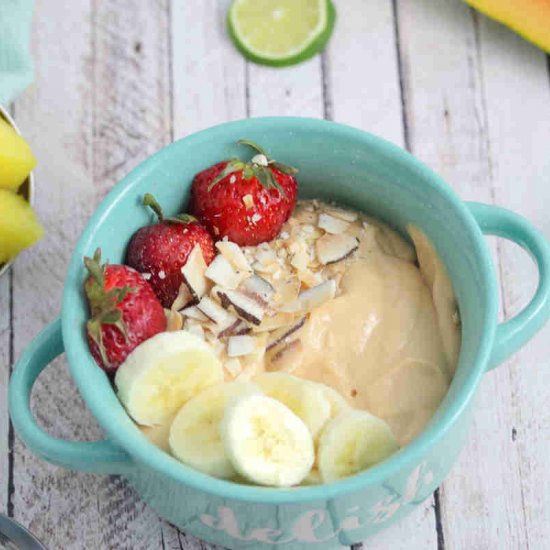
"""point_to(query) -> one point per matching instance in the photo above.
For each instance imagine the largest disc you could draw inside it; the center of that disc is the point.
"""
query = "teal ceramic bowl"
(336, 163)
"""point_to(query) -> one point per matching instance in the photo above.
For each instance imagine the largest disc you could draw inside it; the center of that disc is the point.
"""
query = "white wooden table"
(118, 79)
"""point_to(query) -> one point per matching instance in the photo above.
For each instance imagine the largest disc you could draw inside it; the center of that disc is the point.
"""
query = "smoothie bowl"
(369, 216)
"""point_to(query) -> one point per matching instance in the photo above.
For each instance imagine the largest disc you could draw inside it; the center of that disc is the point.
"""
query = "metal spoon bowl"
(13, 536)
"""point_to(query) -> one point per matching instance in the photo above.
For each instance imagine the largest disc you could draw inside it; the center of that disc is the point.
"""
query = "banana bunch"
(277, 430)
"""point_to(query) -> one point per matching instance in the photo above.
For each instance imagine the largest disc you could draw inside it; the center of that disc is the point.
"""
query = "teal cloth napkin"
(16, 71)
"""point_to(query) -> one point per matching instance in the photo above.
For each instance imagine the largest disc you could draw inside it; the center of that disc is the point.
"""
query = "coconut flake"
(331, 224)
(246, 307)
(346, 215)
(221, 272)
(257, 287)
(240, 345)
(193, 274)
(287, 358)
(194, 313)
(311, 298)
(183, 299)
(194, 327)
(265, 255)
(174, 321)
(334, 248)
(234, 254)
(233, 367)
(277, 336)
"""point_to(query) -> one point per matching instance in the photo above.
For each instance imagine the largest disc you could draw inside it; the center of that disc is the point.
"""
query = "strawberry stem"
(254, 146)
(151, 202)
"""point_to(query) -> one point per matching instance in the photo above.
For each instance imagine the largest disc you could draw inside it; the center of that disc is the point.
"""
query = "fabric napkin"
(16, 71)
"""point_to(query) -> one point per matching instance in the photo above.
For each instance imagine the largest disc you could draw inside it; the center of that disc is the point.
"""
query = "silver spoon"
(14, 536)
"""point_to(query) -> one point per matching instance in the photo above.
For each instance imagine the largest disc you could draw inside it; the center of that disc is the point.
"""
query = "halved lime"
(280, 32)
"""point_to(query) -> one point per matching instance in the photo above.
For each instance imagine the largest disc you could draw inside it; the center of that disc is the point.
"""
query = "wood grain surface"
(118, 79)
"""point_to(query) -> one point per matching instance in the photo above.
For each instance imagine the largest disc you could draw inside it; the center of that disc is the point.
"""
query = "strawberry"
(162, 249)
(246, 202)
(124, 312)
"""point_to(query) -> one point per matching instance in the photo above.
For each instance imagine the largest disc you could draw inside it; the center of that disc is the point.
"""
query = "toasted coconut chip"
(277, 336)
(287, 291)
(309, 278)
(287, 358)
(234, 254)
(312, 297)
(233, 367)
(257, 287)
(346, 215)
(194, 313)
(240, 345)
(194, 327)
(241, 328)
(183, 299)
(246, 307)
(331, 224)
(265, 254)
(221, 272)
(274, 322)
(334, 248)
(300, 259)
(174, 321)
(193, 274)
(227, 328)
(216, 313)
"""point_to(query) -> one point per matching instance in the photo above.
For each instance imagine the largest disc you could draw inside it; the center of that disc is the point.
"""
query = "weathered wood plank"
(361, 69)
(291, 91)
(99, 106)
(5, 336)
(208, 74)
(518, 117)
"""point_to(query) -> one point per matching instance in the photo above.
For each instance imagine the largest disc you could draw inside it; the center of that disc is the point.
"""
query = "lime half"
(280, 32)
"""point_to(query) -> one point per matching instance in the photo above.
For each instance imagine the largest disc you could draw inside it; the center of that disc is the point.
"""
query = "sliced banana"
(307, 400)
(195, 436)
(163, 373)
(352, 442)
(336, 400)
(313, 478)
(266, 442)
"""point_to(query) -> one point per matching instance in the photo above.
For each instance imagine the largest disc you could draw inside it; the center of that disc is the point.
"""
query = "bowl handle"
(95, 456)
(514, 333)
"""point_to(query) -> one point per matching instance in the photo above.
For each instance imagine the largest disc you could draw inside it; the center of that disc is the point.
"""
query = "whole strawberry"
(162, 249)
(246, 202)
(124, 312)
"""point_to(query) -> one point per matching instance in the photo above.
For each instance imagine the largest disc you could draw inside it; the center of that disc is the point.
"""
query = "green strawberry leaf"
(254, 146)
(234, 165)
(284, 168)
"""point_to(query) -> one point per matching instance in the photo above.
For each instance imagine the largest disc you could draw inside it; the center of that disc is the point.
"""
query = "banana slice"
(336, 400)
(163, 373)
(352, 442)
(307, 400)
(195, 436)
(266, 442)
(313, 478)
